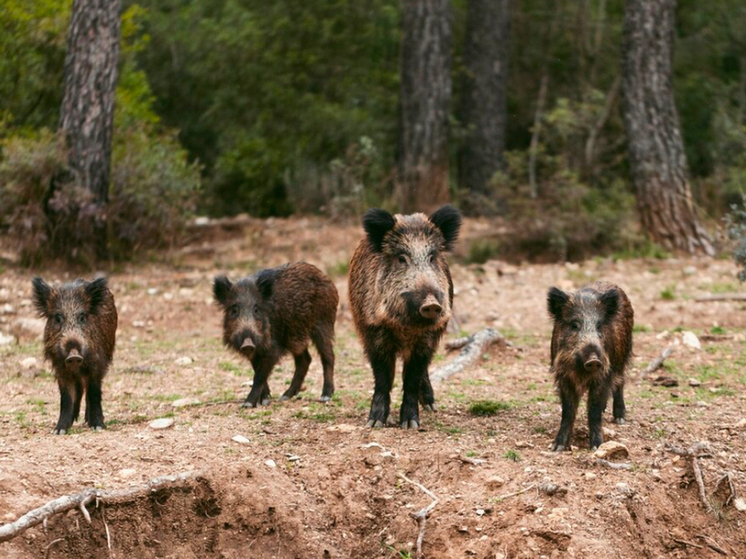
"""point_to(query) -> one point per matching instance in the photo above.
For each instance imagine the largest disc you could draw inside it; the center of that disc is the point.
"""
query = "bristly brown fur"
(281, 310)
(395, 268)
(80, 315)
(598, 319)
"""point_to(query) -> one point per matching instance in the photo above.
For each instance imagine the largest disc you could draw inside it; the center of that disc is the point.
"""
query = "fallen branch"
(694, 455)
(471, 351)
(515, 493)
(80, 500)
(658, 361)
(712, 544)
(458, 343)
(722, 297)
(686, 543)
(614, 465)
(421, 515)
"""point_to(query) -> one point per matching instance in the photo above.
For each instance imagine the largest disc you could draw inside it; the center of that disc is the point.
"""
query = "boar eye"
(58, 318)
(575, 325)
(402, 259)
(233, 311)
(256, 309)
(599, 324)
(431, 257)
(82, 318)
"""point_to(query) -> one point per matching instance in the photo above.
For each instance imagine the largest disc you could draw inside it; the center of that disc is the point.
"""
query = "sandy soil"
(332, 488)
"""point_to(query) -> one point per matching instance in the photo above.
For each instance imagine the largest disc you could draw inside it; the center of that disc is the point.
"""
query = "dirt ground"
(313, 482)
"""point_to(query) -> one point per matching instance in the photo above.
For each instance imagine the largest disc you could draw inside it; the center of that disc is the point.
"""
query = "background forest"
(231, 106)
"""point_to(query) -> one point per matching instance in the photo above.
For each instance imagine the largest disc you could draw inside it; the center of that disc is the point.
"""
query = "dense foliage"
(292, 106)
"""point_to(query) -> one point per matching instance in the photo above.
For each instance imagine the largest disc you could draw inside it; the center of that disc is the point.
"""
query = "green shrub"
(486, 408)
(736, 221)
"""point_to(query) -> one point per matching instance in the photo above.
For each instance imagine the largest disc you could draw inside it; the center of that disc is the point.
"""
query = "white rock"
(590, 475)
(611, 449)
(694, 382)
(168, 296)
(7, 308)
(6, 340)
(138, 323)
(624, 489)
(162, 423)
(690, 339)
(740, 504)
(240, 439)
(185, 360)
(201, 220)
(690, 271)
(152, 291)
(28, 363)
(184, 402)
(270, 463)
(493, 482)
(127, 472)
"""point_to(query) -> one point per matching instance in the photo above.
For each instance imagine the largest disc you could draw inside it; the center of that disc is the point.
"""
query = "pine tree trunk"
(425, 97)
(87, 115)
(483, 108)
(656, 147)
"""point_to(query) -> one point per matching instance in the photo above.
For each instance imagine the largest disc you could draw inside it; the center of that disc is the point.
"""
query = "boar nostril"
(74, 357)
(248, 346)
(592, 365)
(430, 309)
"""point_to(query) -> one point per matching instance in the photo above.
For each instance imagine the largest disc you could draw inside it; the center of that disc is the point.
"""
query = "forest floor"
(313, 482)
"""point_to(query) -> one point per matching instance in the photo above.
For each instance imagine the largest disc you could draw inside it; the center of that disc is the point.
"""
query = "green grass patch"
(640, 328)
(717, 330)
(486, 408)
(512, 455)
(668, 294)
(482, 250)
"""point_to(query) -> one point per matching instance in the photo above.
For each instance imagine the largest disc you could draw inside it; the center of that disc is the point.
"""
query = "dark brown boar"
(79, 340)
(278, 311)
(591, 347)
(401, 295)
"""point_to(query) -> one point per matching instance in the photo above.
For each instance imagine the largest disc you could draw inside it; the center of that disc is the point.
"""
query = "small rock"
(293, 458)
(270, 463)
(690, 339)
(152, 291)
(608, 432)
(7, 308)
(611, 450)
(6, 340)
(552, 489)
(127, 472)
(740, 504)
(138, 323)
(184, 402)
(480, 512)
(690, 271)
(590, 476)
(162, 423)
(694, 382)
(494, 482)
(240, 439)
(463, 529)
(28, 363)
(184, 360)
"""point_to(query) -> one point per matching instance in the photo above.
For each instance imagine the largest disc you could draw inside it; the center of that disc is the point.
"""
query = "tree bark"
(483, 105)
(425, 97)
(87, 114)
(656, 148)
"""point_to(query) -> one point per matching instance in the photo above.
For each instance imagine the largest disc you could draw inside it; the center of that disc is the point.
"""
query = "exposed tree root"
(693, 453)
(421, 515)
(80, 500)
(473, 348)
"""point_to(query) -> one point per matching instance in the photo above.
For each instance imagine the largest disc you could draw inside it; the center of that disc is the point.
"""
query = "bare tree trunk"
(656, 147)
(535, 132)
(483, 106)
(425, 97)
(87, 115)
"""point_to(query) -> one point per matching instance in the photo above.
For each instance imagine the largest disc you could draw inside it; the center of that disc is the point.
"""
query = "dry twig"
(79, 500)
(686, 543)
(515, 493)
(712, 544)
(658, 361)
(470, 352)
(421, 515)
(693, 453)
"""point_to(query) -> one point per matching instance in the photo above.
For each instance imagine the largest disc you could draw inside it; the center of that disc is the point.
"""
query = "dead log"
(722, 297)
(475, 347)
(80, 500)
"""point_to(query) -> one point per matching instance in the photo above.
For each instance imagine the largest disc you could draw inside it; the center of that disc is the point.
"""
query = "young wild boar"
(401, 295)
(277, 311)
(79, 340)
(591, 346)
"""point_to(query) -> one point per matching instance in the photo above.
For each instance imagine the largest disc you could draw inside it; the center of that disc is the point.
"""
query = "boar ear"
(377, 223)
(556, 301)
(221, 286)
(448, 220)
(265, 281)
(42, 294)
(610, 302)
(96, 290)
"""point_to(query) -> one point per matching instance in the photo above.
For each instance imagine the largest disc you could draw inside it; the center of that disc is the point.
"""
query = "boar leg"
(427, 396)
(620, 410)
(302, 361)
(67, 402)
(322, 339)
(415, 368)
(266, 394)
(383, 364)
(77, 400)
(259, 390)
(570, 398)
(94, 413)
(598, 396)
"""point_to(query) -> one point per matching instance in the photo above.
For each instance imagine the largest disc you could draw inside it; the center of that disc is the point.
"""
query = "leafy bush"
(736, 222)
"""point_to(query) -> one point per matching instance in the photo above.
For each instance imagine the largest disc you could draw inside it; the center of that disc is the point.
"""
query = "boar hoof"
(325, 399)
(619, 420)
(285, 398)
(97, 427)
(58, 432)
(375, 424)
(411, 424)
(429, 407)
(558, 447)
(265, 402)
(248, 404)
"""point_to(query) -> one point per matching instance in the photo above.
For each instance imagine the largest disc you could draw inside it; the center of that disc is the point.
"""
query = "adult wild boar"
(401, 295)
(278, 311)
(591, 347)
(79, 340)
